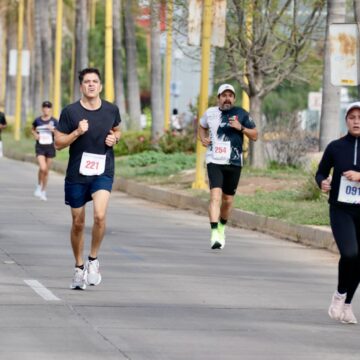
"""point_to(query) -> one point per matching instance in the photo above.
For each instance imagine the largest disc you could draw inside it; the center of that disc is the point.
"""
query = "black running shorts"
(225, 177)
(45, 150)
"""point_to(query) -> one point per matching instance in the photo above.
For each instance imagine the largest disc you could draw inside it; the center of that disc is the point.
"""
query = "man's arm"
(113, 137)
(252, 134)
(204, 136)
(63, 140)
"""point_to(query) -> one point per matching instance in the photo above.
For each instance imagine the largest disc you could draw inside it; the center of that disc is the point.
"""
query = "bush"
(133, 142)
(173, 142)
(287, 143)
(310, 189)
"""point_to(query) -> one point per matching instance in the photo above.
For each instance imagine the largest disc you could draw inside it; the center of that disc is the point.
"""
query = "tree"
(133, 90)
(118, 59)
(47, 58)
(36, 84)
(277, 41)
(157, 126)
(330, 108)
(81, 43)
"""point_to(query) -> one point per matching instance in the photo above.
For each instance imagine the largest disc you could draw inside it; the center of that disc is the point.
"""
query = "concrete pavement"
(165, 294)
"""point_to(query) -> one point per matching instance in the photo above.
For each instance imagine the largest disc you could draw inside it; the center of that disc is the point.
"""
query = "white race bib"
(45, 138)
(349, 191)
(222, 150)
(92, 164)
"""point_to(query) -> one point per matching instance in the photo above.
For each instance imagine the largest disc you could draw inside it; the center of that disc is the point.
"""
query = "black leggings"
(345, 225)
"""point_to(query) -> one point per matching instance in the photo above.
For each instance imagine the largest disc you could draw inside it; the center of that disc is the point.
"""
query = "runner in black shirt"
(43, 132)
(343, 157)
(91, 128)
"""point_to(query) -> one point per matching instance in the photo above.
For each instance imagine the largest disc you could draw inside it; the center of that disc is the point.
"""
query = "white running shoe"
(347, 316)
(92, 272)
(37, 191)
(78, 281)
(43, 196)
(337, 305)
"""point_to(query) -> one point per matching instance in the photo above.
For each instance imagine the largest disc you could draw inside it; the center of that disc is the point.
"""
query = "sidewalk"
(314, 236)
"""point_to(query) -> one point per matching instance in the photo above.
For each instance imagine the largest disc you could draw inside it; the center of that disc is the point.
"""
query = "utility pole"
(168, 60)
(57, 65)
(109, 71)
(204, 91)
(17, 124)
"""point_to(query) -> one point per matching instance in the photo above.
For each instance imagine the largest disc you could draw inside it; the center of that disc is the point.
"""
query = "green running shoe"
(215, 239)
(221, 230)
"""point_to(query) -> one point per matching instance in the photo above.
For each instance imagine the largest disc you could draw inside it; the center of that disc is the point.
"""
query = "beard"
(226, 106)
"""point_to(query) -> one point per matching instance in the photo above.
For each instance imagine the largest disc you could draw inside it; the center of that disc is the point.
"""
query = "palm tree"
(157, 127)
(36, 84)
(118, 60)
(330, 108)
(81, 43)
(47, 59)
(133, 90)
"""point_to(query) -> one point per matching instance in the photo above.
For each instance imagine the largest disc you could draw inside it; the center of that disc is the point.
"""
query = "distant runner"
(222, 129)
(43, 132)
(343, 157)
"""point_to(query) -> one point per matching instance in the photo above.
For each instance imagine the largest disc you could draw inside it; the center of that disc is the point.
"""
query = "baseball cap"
(225, 87)
(47, 104)
(354, 105)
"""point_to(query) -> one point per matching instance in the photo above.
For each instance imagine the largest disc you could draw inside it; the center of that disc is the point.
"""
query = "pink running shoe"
(347, 316)
(337, 305)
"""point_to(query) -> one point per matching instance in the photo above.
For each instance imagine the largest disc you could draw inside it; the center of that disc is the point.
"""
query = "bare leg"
(226, 206)
(46, 174)
(100, 201)
(77, 234)
(214, 205)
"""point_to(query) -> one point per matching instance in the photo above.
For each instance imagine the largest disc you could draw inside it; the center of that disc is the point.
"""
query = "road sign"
(344, 55)
(25, 63)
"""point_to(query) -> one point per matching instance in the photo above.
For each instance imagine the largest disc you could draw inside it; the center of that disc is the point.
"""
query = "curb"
(313, 236)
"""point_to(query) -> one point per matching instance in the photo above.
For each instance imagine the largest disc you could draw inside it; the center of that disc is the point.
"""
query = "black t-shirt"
(101, 121)
(2, 120)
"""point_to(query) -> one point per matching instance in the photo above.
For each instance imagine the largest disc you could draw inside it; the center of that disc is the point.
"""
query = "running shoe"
(337, 305)
(215, 239)
(37, 191)
(78, 281)
(43, 196)
(347, 316)
(92, 272)
(221, 229)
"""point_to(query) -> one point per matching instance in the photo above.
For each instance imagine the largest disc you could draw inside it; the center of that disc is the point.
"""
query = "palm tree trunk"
(36, 84)
(118, 60)
(81, 43)
(330, 109)
(157, 127)
(133, 90)
(47, 68)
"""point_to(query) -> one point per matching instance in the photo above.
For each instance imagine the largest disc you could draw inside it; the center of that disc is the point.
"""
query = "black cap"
(47, 104)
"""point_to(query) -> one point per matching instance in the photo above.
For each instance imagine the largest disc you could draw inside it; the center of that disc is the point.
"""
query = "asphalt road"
(165, 295)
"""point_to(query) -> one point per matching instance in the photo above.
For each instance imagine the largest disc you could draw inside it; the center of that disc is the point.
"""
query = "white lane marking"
(41, 290)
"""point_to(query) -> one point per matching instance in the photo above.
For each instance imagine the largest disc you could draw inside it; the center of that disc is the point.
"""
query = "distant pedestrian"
(43, 131)
(90, 127)
(176, 121)
(3, 125)
(221, 131)
(342, 156)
